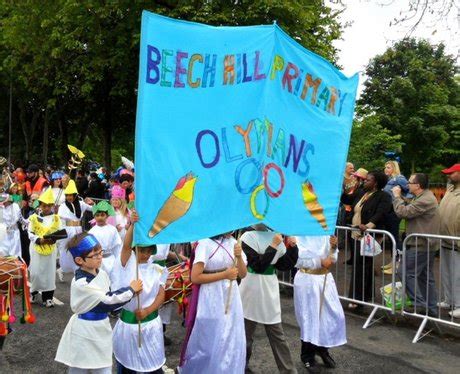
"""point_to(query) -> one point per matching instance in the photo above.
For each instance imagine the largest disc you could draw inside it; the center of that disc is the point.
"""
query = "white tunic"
(11, 243)
(327, 329)
(111, 244)
(260, 293)
(162, 252)
(65, 258)
(166, 310)
(121, 220)
(217, 342)
(42, 268)
(151, 355)
(88, 344)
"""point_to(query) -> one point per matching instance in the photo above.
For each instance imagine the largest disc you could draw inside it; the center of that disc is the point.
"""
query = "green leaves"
(411, 88)
(79, 59)
(369, 141)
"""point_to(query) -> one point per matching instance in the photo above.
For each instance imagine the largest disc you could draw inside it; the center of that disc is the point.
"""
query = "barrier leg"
(419, 335)
(370, 320)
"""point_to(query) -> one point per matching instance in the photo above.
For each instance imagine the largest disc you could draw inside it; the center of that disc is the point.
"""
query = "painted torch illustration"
(176, 205)
(311, 203)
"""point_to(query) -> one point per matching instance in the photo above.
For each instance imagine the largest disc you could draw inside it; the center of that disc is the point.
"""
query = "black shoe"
(312, 367)
(167, 340)
(327, 359)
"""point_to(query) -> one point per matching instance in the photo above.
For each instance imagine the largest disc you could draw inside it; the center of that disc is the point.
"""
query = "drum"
(13, 281)
(178, 285)
(10, 272)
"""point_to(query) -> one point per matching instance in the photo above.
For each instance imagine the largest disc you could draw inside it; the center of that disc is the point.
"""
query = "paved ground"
(383, 348)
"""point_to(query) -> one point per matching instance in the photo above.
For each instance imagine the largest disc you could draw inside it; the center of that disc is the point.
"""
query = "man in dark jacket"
(422, 217)
(81, 182)
(95, 187)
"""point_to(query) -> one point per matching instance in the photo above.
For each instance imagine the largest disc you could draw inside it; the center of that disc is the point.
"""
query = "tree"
(74, 64)
(411, 89)
(369, 142)
(416, 12)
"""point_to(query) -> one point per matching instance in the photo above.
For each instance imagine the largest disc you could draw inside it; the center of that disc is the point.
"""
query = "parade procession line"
(384, 348)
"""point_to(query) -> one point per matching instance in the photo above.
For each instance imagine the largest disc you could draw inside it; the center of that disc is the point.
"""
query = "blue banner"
(236, 126)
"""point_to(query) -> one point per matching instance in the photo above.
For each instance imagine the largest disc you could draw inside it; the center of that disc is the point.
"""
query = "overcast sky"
(371, 33)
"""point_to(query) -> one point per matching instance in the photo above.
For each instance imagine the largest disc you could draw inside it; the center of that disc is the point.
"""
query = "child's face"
(92, 261)
(116, 203)
(144, 254)
(70, 198)
(46, 208)
(14, 190)
(101, 218)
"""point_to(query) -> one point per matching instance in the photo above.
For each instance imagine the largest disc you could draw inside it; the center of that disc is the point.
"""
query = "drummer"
(162, 254)
(150, 356)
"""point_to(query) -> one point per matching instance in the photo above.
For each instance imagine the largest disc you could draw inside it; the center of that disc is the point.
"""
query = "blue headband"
(85, 246)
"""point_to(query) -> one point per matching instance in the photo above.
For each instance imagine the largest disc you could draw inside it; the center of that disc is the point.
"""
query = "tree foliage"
(369, 142)
(411, 90)
(74, 64)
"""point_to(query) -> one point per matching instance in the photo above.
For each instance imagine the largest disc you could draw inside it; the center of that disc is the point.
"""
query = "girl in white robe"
(86, 344)
(150, 356)
(216, 341)
(10, 215)
(321, 326)
(118, 202)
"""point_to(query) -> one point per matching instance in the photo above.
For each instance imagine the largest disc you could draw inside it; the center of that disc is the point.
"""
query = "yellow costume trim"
(39, 229)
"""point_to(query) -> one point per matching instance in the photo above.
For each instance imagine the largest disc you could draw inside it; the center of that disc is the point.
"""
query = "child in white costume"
(321, 326)
(86, 344)
(165, 311)
(118, 202)
(10, 215)
(107, 236)
(56, 187)
(215, 343)
(260, 292)
(71, 212)
(43, 251)
(150, 356)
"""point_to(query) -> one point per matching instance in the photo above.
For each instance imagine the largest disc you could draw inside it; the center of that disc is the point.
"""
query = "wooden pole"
(139, 339)
(321, 299)
(229, 295)
(10, 128)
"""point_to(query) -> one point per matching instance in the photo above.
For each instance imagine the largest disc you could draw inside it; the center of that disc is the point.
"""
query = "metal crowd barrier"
(422, 270)
(349, 285)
